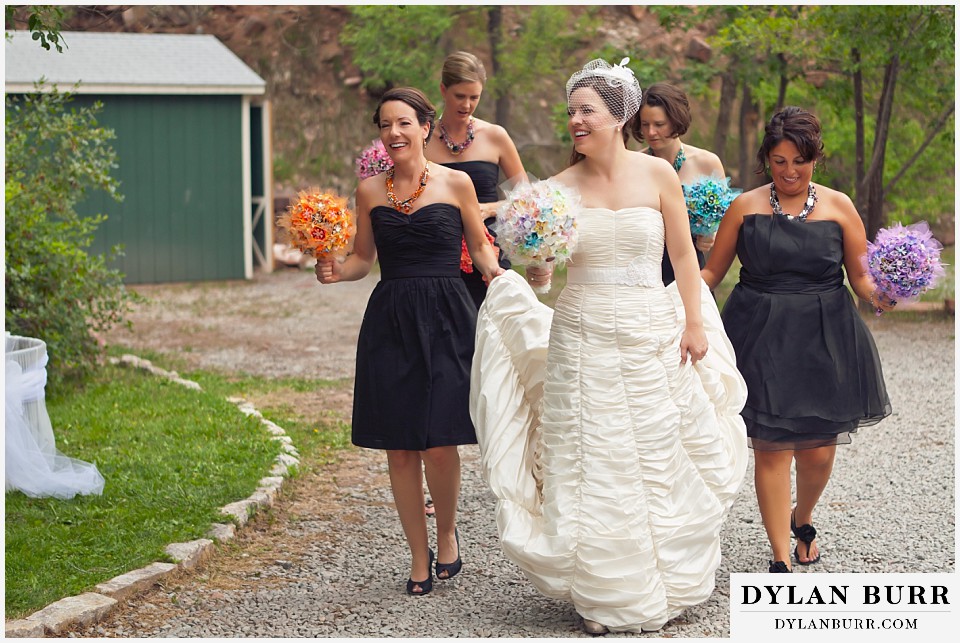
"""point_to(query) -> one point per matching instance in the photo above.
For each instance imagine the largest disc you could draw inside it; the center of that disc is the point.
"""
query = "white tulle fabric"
(613, 465)
(33, 464)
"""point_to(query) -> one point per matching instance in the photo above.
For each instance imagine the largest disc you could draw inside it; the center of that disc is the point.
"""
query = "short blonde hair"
(462, 67)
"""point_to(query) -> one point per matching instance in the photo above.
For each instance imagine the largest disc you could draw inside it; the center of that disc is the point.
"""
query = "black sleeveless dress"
(485, 175)
(812, 369)
(416, 341)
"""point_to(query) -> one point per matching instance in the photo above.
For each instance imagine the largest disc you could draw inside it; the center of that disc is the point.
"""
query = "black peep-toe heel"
(451, 569)
(426, 586)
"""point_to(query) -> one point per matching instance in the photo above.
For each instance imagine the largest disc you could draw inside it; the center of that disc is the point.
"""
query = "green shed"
(193, 141)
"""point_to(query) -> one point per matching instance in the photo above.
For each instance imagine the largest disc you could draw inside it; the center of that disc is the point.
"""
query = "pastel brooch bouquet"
(707, 200)
(318, 223)
(904, 261)
(373, 160)
(537, 223)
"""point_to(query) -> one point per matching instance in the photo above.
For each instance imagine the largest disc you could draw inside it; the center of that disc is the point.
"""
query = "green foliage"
(44, 21)
(397, 45)
(55, 290)
(541, 48)
(761, 44)
(169, 465)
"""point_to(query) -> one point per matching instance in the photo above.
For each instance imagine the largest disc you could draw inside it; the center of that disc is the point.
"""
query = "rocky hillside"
(320, 113)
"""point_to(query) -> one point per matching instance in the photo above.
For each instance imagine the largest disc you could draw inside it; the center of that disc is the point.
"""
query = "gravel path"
(331, 561)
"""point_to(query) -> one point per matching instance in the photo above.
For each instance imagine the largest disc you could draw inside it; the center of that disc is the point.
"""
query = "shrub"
(55, 289)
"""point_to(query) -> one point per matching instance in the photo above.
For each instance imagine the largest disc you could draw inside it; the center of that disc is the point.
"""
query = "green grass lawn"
(171, 457)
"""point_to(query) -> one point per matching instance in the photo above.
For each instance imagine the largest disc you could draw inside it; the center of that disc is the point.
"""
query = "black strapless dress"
(416, 341)
(485, 176)
(812, 369)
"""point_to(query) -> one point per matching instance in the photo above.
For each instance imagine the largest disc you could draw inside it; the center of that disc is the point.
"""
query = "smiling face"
(656, 128)
(588, 118)
(791, 172)
(400, 131)
(460, 100)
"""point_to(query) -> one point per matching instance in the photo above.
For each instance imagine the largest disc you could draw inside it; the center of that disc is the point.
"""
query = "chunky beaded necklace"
(457, 148)
(808, 206)
(406, 206)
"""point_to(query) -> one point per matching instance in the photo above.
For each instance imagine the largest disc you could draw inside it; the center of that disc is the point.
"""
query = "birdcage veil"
(615, 84)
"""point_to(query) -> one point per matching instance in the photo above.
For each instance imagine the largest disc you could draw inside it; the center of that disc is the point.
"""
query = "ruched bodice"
(485, 176)
(416, 340)
(613, 465)
(424, 243)
(635, 236)
(812, 369)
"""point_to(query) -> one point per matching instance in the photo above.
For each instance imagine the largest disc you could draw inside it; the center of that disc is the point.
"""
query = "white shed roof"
(129, 63)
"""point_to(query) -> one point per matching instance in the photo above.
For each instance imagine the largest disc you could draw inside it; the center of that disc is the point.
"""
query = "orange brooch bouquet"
(318, 223)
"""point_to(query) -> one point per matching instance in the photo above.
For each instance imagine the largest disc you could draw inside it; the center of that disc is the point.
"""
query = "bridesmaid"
(416, 342)
(664, 117)
(811, 365)
(464, 142)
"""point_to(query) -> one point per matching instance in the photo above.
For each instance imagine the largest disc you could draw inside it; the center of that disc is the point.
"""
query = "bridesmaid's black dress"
(484, 175)
(416, 341)
(812, 369)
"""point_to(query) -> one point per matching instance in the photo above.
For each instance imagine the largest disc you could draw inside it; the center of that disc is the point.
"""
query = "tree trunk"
(858, 117)
(872, 186)
(749, 116)
(494, 35)
(728, 94)
(784, 81)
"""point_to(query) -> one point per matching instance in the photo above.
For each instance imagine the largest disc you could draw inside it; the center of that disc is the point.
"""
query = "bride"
(609, 433)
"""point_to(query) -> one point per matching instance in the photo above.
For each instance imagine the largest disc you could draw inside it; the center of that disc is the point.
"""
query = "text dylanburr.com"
(843, 607)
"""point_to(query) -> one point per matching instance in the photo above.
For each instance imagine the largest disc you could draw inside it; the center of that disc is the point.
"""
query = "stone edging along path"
(88, 608)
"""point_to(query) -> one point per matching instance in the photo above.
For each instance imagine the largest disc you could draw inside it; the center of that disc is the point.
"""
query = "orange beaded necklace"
(406, 206)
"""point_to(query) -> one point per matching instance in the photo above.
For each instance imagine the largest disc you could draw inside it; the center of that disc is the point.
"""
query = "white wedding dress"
(612, 464)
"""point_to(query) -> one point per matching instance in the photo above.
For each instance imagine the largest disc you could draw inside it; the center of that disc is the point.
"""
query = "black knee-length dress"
(416, 341)
(812, 368)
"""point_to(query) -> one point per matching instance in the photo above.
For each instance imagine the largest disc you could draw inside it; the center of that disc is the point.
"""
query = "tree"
(845, 64)
(44, 21)
(878, 47)
(55, 290)
(540, 41)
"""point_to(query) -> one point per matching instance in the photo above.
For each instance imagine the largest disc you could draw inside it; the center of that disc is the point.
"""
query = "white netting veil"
(615, 84)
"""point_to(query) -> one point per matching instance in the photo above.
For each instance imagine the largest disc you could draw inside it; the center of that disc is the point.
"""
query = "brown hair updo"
(426, 113)
(796, 125)
(462, 67)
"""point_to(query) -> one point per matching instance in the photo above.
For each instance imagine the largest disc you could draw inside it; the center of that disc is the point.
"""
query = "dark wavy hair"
(796, 125)
(426, 112)
(675, 105)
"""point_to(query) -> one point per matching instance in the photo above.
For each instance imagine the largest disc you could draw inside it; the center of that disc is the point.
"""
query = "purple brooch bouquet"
(373, 160)
(904, 261)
